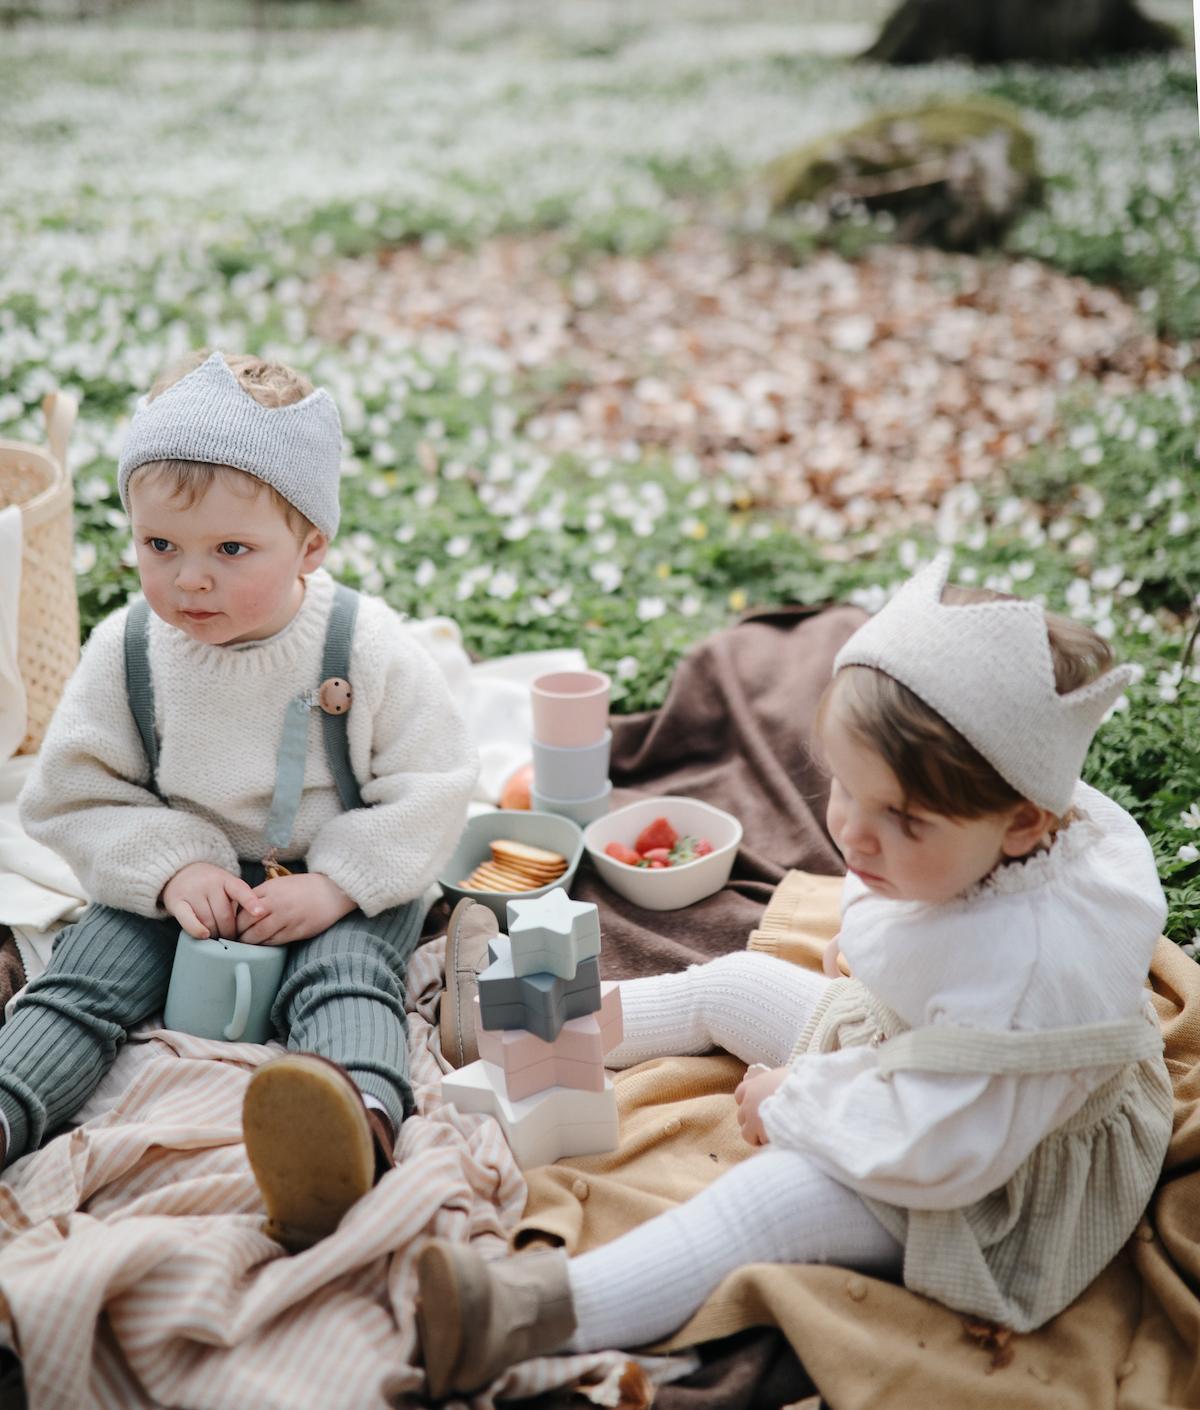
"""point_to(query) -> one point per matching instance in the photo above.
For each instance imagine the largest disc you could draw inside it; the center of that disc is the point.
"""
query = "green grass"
(167, 190)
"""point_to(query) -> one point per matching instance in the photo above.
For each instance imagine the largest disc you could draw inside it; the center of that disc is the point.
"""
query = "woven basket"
(37, 479)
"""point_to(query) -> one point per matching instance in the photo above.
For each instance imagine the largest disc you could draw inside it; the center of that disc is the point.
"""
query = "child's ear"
(316, 546)
(1027, 826)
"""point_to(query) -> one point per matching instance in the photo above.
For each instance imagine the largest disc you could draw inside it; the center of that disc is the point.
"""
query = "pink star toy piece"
(574, 1059)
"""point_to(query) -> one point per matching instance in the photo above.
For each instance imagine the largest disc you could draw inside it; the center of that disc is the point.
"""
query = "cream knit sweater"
(219, 713)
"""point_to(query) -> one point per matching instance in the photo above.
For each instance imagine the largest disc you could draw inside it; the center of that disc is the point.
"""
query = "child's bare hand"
(296, 908)
(204, 899)
(758, 1084)
(829, 959)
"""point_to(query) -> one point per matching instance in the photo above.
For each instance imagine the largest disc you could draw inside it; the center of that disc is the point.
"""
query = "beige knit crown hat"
(986, 668)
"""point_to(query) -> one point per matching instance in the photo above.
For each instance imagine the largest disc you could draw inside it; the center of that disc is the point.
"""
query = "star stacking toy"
(552, 934)
(544, 1033)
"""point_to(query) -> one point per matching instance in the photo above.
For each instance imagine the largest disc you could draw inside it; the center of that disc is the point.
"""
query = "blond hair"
(937, 769)
(271, 384)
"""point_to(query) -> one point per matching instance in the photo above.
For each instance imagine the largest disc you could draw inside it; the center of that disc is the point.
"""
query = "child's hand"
(204, 899)
(829, 960)
(296, 908)
(757, 1085)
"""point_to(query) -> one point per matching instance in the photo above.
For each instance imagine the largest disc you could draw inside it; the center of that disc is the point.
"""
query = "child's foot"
(470, 928)
(314, 1145)
(478, 1318)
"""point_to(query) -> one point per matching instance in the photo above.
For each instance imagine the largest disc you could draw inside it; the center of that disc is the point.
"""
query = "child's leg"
(342, 997)
(108, 971)
(752, 1005)
(776, 1207)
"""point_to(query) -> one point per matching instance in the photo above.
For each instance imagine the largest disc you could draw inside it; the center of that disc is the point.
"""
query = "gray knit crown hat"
(987, 669)
(208, 416)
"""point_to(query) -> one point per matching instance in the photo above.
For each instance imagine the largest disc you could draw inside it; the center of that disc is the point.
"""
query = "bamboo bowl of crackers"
(509, 856)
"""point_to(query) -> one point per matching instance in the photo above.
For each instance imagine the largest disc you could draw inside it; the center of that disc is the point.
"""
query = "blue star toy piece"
(540, 1002)
(552, 934)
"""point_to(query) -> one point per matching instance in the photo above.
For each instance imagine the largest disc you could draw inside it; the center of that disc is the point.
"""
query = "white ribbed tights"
(775, 1207)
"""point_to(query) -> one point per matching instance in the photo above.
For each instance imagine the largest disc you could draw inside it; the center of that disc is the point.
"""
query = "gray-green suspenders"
(293, 744)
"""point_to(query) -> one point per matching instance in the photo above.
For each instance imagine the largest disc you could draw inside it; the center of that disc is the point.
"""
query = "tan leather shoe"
(477, 1318)
(314, 1145)
(470, 928)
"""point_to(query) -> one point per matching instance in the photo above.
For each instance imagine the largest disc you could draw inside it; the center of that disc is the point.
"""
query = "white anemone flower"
(503, 584)
(607, 575)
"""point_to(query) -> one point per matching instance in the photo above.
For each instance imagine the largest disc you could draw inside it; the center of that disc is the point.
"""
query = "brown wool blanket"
(735, 730)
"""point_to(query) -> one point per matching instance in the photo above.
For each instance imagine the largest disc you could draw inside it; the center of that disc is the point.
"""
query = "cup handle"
(241, 1002)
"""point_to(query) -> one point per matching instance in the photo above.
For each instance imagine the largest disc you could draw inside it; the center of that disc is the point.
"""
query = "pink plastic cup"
(570, 708)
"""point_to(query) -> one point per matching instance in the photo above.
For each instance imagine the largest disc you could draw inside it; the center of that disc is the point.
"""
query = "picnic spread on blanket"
(135, 1268)
(135, 1271)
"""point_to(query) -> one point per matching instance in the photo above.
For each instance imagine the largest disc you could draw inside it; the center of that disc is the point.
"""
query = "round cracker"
(521, 852)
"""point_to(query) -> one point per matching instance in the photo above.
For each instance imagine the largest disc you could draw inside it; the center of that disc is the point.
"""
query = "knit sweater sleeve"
(88, 796)
(419, 765)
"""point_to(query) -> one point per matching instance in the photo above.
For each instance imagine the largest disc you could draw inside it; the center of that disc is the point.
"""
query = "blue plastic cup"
(224, 989)
(571, 774)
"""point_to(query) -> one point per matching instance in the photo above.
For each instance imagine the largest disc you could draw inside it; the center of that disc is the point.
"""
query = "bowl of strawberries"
(664, 853)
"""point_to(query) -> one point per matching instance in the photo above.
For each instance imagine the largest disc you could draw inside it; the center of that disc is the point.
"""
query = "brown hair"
(936, 768)
(270, 384)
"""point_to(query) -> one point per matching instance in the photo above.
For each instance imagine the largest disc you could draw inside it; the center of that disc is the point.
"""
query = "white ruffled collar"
(1027, 874)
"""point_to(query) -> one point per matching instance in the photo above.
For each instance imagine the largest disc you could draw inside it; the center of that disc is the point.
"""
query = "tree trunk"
(999, 31)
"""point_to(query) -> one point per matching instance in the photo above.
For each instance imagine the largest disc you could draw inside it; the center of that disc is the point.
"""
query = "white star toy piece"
(552, 934)
(544, 1127)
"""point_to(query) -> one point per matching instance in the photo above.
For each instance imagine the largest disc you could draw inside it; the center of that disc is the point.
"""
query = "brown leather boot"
(470, 928)
(478, 1318)
(314, 1145)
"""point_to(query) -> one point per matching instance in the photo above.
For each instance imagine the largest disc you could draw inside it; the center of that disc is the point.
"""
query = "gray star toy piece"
(540, 1002)
(552, 933)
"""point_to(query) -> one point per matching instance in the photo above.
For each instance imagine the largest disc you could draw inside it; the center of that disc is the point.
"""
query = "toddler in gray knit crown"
(186, 781)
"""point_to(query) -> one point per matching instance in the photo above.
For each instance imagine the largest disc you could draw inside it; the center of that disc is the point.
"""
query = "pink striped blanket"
(134, 1272)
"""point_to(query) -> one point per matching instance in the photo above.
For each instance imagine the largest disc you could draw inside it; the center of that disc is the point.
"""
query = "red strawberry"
(659, 833)
(656, 865)
(658, 854)
(621, 853)
(703, 847)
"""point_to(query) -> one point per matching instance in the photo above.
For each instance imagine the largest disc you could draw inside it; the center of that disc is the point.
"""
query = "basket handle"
(59, 409)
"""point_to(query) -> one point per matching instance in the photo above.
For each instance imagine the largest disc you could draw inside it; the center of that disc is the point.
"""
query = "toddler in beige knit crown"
(982, 1110)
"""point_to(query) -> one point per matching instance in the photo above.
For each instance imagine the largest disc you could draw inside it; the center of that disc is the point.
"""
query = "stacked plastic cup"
(571, 745)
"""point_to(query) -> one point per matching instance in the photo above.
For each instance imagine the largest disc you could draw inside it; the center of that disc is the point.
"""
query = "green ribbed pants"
(342, 996)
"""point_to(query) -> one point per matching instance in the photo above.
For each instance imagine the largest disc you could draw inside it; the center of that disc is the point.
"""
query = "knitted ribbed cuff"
(140, 891)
